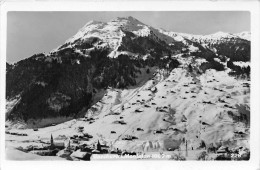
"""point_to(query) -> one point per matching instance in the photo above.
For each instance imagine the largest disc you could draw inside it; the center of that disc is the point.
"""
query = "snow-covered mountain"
(245, 35)
(136, 88)
(215, 36)
(111, 34)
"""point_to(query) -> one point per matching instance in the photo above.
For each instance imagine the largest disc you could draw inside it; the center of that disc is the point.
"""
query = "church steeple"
(68, 147)
(52, 144)
(98, 146)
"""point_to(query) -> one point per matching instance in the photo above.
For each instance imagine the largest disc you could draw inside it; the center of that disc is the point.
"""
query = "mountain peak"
(92, 22)
(222, 34)
(219, 35)
(244, 35)
(110, 30)
(130, 18)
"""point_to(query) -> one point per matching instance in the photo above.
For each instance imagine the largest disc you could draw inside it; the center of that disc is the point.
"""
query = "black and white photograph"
(128, 86)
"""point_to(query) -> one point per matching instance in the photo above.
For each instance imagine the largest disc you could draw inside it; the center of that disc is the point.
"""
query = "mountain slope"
(69, 77)
(200, 109)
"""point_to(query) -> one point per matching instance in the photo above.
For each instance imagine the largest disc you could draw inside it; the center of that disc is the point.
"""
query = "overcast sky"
(29, 33)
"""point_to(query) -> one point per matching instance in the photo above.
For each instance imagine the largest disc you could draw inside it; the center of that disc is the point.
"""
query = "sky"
(29, 33)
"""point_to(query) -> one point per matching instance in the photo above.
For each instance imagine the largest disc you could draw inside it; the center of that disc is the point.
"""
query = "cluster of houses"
(73, 150)
(16, 133)
(80, 151)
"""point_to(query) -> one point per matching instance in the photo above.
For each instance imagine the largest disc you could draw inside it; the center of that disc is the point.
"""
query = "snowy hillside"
(185, 106)
(134, 89)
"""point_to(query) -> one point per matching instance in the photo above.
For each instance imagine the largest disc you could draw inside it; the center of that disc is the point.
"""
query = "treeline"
(237, 70)
(122, 71)
(211, 64)
(235, 49)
